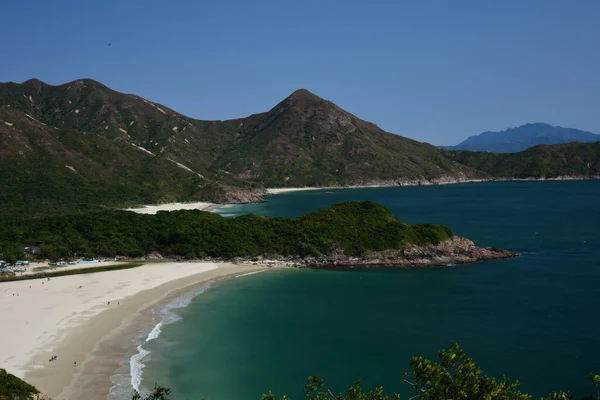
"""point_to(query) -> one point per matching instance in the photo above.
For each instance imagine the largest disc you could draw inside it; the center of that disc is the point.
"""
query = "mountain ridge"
(89, 145)
(512, 140)
(90, 106)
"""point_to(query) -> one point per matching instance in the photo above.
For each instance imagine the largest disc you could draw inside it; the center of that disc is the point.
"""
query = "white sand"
(297, 189)
(37, 315)
(153, 209)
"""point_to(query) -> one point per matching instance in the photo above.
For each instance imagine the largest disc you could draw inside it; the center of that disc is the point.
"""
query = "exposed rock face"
(457, 250)
(224, 194)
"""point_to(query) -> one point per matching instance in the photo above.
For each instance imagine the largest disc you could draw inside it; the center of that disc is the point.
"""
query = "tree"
(457, 377)
(596, 380)
(454, 377)
(158, 393)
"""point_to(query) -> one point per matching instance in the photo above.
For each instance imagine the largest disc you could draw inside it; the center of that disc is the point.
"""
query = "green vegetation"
(308, 141)
(12, 387)
(454, 377)
(353, 229)
(82, 145)
(544, 161)
(78, 271)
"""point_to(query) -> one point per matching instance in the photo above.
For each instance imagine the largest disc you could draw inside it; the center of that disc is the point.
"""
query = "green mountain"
(308, 141)
(81, 144)
(577, 160)
(45, 168)
(523, 137)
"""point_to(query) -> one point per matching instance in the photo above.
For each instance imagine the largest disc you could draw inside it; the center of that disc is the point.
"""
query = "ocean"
(535, 318)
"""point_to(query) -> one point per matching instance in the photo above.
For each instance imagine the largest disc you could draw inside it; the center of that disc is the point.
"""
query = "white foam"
(251, 273)
(154, 333)
(137, 366)
(167, 316)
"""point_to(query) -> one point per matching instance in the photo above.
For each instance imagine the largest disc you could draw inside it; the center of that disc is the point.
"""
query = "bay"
(535, 317)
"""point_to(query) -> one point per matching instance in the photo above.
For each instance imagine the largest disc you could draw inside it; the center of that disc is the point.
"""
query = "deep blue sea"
(535, 317)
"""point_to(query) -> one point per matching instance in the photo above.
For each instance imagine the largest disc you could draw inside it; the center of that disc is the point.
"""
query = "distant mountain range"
(82, 145)
(523, 137)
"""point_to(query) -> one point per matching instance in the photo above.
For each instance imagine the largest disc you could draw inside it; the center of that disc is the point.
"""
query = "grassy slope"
(304, 140)
(308, 141)
(45, 169)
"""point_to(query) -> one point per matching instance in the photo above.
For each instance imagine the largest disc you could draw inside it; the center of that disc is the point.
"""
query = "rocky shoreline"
(457, 250)
(256, 195)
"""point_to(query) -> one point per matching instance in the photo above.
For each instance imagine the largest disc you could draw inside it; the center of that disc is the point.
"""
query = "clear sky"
(435, 71)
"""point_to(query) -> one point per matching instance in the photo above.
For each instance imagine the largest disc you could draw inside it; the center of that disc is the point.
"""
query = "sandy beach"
(297, 189)
(154, 208)
(72, 316)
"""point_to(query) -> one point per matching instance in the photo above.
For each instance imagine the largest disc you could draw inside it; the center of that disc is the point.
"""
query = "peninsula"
(343, 235)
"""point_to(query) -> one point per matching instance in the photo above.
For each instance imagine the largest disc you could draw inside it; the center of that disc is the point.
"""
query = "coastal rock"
(457, 250)
(219, 193)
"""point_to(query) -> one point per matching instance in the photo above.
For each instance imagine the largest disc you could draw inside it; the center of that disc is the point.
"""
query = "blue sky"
(435, 71)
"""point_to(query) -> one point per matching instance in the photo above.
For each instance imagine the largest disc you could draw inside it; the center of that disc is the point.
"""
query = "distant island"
(517, 139)
(344, 235)
(83, 146)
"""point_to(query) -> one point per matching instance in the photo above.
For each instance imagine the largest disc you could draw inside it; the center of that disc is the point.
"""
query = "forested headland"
(353, 229)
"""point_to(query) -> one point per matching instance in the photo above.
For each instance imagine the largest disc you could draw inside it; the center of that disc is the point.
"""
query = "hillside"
(46, 168)
(308, 141)
(513, 140)
(82, 144)
(580, 160)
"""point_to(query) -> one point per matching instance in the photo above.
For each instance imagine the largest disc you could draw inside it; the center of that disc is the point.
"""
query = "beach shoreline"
(154, 208)
(206, 206)
(74, 317)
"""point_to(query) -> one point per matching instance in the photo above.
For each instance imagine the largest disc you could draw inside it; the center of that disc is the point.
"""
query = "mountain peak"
(34, 83)
(302, 98)
(84, 82)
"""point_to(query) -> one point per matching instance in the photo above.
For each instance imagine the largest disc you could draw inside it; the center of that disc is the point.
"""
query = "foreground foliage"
(453, 377)
(12, 387)
(352, 228)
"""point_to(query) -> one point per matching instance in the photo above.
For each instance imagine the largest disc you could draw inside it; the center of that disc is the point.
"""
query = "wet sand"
(71, 317)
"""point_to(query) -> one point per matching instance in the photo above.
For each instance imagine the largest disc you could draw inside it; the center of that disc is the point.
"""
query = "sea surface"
(535, 317)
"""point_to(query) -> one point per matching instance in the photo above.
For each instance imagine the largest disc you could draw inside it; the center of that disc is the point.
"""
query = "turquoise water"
(535, 317)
